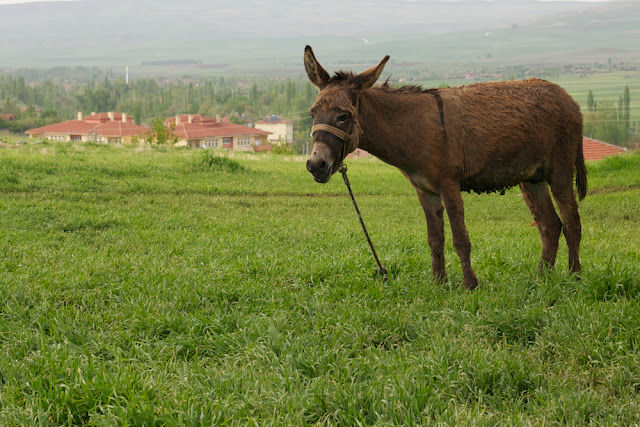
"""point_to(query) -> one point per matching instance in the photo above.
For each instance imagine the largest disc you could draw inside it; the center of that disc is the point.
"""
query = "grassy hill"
(257, 38)
(592, 35)
(142, 286)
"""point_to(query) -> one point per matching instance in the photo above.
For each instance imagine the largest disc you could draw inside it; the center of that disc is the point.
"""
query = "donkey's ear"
(365, 80)
(316, 73)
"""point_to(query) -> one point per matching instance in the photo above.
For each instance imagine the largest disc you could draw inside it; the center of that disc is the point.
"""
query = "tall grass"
(145, 287)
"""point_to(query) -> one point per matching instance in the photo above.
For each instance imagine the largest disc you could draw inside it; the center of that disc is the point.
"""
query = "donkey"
(484, 137)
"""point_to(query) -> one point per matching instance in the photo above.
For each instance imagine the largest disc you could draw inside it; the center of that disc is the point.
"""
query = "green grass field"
(151, 286)
(606, 87)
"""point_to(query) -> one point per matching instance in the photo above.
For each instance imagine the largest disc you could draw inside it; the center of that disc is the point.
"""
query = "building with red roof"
(199, 131)
(281, 130)
(102, 127)
(8, 117)
(596, 150)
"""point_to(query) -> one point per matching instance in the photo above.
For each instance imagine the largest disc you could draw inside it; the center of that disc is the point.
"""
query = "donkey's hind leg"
(562, 189)
(434, 211)
(455, 211)
(538, 199)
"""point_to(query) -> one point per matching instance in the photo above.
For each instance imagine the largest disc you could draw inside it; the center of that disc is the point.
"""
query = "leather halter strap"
(340, 134)
(334, 131)
(343, 136)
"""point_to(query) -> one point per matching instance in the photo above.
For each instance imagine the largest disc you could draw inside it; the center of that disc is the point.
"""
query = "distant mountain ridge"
(256, 32)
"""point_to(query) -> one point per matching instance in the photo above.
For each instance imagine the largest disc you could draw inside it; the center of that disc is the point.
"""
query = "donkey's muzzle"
(319, 168)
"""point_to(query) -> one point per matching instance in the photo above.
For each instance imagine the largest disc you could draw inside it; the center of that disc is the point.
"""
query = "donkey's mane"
(341, 76)
(406, 89)
(344, 76)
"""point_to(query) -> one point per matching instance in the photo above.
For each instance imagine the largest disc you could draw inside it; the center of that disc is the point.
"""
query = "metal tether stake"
(380, 270)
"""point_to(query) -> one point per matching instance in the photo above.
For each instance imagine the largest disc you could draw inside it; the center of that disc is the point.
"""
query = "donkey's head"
(335, 114)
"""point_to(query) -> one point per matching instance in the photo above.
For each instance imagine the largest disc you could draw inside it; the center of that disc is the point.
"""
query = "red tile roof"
(104, 117)
(7, 117)
(99, 123)
(116, 128)
(195, 118)
(596, 150)
(75, 127)
(204, 127)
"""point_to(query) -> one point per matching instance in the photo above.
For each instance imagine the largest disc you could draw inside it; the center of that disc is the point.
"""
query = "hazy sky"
(27, 1)
(35, 1)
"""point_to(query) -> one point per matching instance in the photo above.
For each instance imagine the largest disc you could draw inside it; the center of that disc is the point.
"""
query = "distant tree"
(626, 104)
(49, 113)
(161, 134)
(253, 94)
(590, 100)
(291, 90)
(625, 113)
(10, 106)
(237, 120)
(137, 112)
(620, 109)
(49, 116)
(607, 126)
(30, 112)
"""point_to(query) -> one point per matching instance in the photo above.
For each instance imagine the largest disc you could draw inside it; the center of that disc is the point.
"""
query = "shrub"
(211, 161)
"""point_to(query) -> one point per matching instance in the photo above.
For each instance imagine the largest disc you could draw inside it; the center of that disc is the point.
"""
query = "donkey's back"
(506, 133)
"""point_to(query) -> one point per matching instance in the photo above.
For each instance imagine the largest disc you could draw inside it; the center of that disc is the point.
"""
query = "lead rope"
(380, 270)
(345, 137)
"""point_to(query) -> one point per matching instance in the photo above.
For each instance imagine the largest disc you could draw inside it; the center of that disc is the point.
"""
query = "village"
(220, 133)
(187, 130)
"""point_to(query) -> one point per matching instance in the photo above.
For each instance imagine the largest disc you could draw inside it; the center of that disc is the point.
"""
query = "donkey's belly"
(500, 179)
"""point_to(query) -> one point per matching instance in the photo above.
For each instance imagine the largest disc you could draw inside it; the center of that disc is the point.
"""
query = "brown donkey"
(483, 137)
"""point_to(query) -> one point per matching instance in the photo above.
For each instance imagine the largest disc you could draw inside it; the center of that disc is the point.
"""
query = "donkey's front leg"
(434, 211)
(455, 210)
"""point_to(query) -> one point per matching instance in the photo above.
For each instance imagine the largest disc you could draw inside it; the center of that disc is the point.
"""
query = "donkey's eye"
(343, 117)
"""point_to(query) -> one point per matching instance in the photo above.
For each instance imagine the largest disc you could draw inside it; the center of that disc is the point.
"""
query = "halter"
(340, 134)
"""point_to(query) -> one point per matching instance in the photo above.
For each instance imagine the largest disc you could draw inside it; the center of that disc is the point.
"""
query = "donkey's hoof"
(440, 278)
(471, 284)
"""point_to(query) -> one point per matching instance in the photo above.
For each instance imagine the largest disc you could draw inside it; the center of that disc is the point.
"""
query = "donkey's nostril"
(323, 166)
(309, 165)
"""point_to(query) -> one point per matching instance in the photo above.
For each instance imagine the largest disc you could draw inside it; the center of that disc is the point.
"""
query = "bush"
(211, 161)
(281, 149)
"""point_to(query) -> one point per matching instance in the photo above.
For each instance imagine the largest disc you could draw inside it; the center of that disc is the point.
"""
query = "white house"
(281, 129)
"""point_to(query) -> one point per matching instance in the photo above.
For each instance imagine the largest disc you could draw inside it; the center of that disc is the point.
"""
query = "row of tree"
(45, 102)
(611, 122)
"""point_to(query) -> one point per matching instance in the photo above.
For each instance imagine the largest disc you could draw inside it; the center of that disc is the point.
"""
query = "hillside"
(590, 35)
(258, 37)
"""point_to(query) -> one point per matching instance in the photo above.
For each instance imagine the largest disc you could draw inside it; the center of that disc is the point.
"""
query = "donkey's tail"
(581, 173)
